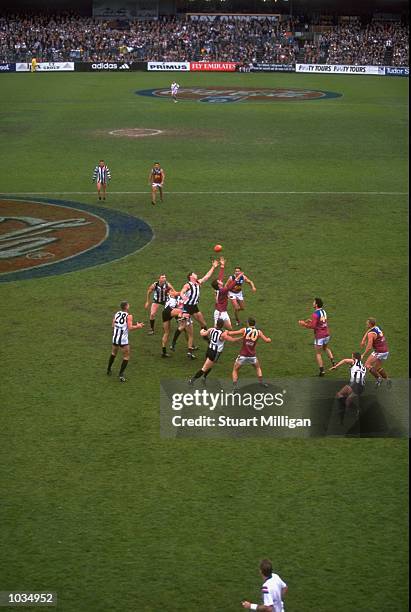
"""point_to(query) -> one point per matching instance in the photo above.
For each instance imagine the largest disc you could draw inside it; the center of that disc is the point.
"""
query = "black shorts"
(191, 309)
(120, 345)
(159, 303)
(212, 354)
(356, 388)
(167, 314)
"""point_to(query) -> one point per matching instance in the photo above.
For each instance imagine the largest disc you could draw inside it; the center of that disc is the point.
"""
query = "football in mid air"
(218, 248)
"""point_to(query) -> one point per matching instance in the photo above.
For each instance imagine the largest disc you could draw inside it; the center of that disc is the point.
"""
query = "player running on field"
(222, 292)
(250, 336)
(216, 336)
(355, 387)
(319, 323)
(272, 591)
(159, 290)
(122, 324)
(374, 340)
(156, 179)
(101, 176)
(174, 90)
(236, 293)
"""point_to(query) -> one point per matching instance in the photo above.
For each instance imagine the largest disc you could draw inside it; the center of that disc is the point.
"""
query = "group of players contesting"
(183, 307)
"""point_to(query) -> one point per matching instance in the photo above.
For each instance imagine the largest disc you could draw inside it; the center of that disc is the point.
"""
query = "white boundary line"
(372, 193)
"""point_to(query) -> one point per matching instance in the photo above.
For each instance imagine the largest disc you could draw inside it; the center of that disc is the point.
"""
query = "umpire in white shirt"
(273, 590)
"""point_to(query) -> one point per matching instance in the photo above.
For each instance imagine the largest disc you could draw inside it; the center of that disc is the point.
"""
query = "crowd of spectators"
(352, 44)
(70, 38)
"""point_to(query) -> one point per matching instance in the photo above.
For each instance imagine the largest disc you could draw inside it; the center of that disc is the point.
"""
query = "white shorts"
(243, 360)
(321, 341)
(221, 315)
(236, 296)
(156, 185)
(380, 356)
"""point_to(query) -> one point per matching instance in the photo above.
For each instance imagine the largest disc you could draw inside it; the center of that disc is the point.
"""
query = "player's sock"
(175, 337)
(110, 363)
(322, 371)
(382, 373)
(374, 372)
(341, 409)
(206, 373)
(152, 321)
(124, 364)
(198, 374)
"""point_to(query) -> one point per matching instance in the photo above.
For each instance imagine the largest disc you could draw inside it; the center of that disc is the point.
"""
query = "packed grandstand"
(257, 39)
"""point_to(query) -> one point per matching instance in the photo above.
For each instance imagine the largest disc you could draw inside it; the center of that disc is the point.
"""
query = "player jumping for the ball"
(156, 180)
(221, 295)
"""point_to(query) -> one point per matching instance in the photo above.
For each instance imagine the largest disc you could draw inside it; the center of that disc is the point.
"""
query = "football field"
(309, 197)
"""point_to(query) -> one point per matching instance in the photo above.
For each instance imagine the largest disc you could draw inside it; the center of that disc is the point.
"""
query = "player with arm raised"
(250, 336)
(222, 292)
(190, 294)
(374, 340)
(355, 387)
(319, 323)
(159, 290)
(156, 179)
(273, 591)
(216, 337)
(236, 292)
(122, 323)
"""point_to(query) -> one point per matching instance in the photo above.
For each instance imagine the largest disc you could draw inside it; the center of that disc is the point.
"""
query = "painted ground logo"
(236, 94)
(46, 237)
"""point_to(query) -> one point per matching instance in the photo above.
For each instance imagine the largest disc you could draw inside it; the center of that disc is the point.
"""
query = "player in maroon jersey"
(222, 293)
(236, 293)
(319, 323)
(156, 179)
(250, 336)
(374, 340)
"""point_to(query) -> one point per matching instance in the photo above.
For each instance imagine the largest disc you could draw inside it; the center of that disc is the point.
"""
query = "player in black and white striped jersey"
(356, 385)
(122, 323)
(190, 294)
(159, 290)
(216, 339)
(101, 176)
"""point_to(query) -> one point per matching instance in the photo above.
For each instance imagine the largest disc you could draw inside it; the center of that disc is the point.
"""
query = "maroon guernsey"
(222, 294)
(379, 343)
(319, 323)
(250, 339)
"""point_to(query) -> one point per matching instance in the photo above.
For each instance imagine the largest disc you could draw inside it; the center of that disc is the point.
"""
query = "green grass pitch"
(94, 504)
